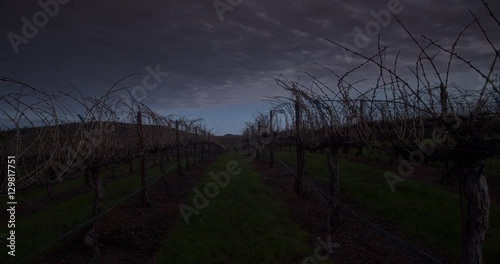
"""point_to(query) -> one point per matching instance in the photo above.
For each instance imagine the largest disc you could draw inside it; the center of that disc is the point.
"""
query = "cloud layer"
(215, 64)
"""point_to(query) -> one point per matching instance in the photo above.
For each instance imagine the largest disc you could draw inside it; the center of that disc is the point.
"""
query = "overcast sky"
(218, 70)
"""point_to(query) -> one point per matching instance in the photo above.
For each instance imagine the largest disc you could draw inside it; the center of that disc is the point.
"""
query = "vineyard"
(416, 122)
(391, 163)
(88, 156)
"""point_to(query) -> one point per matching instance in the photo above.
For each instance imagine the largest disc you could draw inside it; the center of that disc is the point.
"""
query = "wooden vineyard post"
(163, 163)
(361, 111)
(203, 146)
(299, 152)
(87, 177)
(289, 133)
(195, 145)
(443, 98)
(477, 211)
(178, 149)
(271, 144)
(253, 140)
(258, 140)
(113, 169)
(185, 149)
(130, 165)
(49, 184)
(145, 199)
(209, 140)
(92, 236)
(334, 186)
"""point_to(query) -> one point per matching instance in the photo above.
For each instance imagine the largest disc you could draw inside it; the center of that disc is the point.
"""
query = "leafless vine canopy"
(54, 134)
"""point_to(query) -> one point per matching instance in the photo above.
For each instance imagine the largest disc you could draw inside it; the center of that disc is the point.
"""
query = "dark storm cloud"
(94, 43)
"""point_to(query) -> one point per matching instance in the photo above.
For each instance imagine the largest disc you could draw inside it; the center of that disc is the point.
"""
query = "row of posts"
(204, 151)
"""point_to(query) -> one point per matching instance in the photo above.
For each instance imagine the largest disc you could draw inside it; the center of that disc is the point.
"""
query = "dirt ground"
(358, 243)
(130, 233)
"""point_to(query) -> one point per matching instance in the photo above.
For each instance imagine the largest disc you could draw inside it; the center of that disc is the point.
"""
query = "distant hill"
(230, 139)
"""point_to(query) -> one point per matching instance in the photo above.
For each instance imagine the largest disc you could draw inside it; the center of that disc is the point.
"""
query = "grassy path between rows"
(243, 223)
(422, 211)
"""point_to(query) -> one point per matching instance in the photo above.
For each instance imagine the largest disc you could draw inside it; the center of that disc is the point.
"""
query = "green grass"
(494, 165)
(492, 171)
(245, 223)
(36, 230)
(368, 153)
(420, 210)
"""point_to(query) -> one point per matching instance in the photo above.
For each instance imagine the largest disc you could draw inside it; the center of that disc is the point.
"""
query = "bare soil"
(358, 243)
